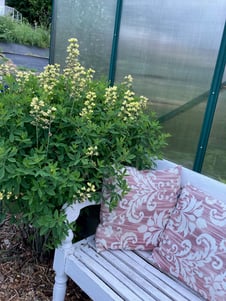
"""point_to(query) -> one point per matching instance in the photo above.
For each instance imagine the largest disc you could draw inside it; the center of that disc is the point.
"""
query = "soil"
(22, 276)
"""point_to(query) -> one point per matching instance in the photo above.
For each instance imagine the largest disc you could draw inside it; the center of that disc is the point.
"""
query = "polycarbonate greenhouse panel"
(170, 47)
(92, 23)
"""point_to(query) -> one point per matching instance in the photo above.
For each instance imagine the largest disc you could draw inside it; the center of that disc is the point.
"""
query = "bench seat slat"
(116, 284)
(141, 278)
(92, 285)
(162, 281)
(118, 274)
(159, 284)
(128, 272)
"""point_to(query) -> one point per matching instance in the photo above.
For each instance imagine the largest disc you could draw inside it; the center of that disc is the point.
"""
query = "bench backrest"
(210, 186)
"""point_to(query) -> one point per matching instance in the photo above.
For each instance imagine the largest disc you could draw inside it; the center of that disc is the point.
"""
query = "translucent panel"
(92, 23)
(185, 131)
(215, 159)
(170, 48)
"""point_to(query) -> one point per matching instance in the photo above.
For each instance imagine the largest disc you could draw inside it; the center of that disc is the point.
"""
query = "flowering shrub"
(61, 134)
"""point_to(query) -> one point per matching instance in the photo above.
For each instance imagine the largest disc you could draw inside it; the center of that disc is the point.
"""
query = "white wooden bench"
(122, 275)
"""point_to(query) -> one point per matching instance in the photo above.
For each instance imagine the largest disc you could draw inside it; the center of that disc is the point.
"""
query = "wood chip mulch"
(23, 277)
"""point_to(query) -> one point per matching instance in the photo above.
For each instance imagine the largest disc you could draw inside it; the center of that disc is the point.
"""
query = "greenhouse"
(176, 53)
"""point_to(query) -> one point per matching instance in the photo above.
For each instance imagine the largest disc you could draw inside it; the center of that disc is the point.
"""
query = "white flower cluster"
(131, 107)
(49, 78)
(89, 105)
(111, 95)
(73, 51)
(43, 115)
(8, 195)
(128, 80)
(74, 71)
(7, 69)
(92, 151)
(23, 76)
(86, 191)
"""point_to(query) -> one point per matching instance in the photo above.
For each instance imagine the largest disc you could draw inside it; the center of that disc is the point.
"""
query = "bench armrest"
(72, 211)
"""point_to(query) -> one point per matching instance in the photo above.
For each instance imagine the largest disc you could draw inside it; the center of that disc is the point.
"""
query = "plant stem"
(36, 135)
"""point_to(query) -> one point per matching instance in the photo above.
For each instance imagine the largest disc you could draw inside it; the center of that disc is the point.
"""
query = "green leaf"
(12, 160)
(11, 137)
(2, 173)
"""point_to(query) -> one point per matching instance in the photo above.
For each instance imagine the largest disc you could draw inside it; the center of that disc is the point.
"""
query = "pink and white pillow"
(193, 245)
(140, 217)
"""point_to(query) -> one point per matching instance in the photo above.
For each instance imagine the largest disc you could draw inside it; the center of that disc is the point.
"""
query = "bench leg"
(61, 253)
(59, 288)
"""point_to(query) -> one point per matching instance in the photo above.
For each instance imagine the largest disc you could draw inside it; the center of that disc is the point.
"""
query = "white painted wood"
(122, 275)
(72, 211)
(208, 185)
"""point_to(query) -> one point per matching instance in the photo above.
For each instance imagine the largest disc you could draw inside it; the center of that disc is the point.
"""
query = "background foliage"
(35, 11)
(23, 33)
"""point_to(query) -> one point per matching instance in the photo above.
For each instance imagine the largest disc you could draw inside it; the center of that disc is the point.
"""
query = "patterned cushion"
(142, 214)
(193, 245)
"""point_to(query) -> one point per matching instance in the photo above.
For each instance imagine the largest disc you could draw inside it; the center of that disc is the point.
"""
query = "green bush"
(23, 33)
(7, 29)
(61, 134)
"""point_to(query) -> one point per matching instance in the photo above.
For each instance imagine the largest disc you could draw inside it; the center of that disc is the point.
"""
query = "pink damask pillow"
(193, 245)
(142, 214)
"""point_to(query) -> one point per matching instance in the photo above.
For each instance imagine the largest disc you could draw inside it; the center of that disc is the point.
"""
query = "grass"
(23, 33)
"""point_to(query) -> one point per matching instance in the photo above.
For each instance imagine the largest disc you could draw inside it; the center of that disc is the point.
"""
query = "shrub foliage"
(61, 134)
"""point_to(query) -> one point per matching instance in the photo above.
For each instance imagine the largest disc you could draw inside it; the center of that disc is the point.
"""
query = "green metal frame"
(211, 104)
(114, 49)
(53, 32)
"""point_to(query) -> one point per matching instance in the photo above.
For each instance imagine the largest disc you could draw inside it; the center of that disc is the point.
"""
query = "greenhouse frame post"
(114, 49)
(211, 104)
(53, 32)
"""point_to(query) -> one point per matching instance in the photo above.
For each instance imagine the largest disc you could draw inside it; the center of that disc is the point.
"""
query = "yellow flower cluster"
(73, 51)
(89, 105)
(131, 107)
(43, 115)
(74, 71)
(92, 151)
(22, 77)
(85, 192)
(128, 80)
(49, 78)
(8, 195)
(111, 95)
(143, 101)
(7, 69)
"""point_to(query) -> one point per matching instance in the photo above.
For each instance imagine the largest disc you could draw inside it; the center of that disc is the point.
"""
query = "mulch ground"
(22, 276)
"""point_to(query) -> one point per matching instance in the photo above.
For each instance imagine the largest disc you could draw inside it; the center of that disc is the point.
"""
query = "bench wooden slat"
(141, 269)
(118, 274)
(137, 274)
(92, 285)
(130, 273)
(141, 278)
(107, 277)
(160, 279)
